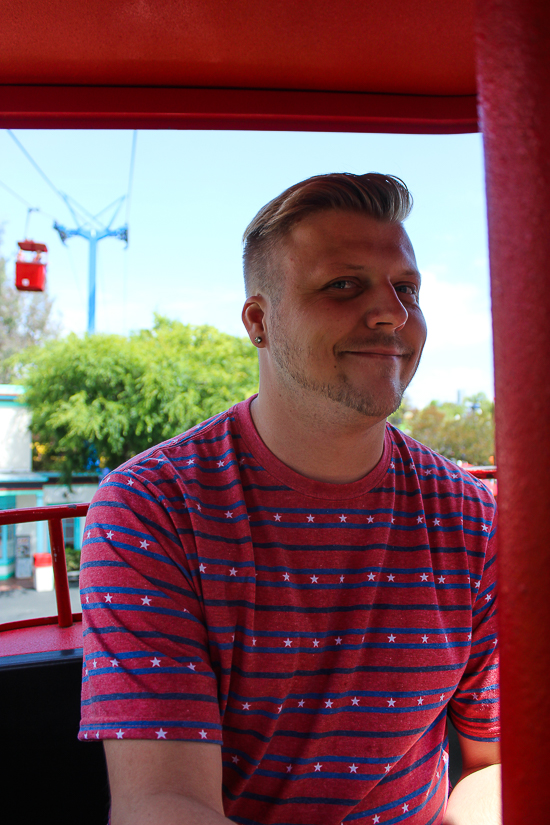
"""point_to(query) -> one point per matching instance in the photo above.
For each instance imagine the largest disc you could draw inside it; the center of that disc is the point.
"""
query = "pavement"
(19, 600)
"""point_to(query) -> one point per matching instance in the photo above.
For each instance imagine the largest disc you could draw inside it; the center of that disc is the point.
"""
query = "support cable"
(26, 203)
(34, 163)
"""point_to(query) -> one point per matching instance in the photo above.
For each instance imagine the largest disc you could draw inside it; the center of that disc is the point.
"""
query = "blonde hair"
(383, 197)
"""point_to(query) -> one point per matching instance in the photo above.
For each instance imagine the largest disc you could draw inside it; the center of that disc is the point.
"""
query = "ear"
(253, 316)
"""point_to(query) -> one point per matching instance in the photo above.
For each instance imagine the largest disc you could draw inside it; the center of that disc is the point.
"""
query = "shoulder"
(178, 459)
(435, 473)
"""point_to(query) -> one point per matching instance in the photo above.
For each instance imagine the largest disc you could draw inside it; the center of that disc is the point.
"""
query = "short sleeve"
(147, 673)
(474, 707)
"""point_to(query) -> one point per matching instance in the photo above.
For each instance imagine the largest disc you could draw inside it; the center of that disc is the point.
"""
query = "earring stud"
(257, 340)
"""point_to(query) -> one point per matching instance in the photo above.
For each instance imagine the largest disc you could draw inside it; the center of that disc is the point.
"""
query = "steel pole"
(92, 240)
(513, 46)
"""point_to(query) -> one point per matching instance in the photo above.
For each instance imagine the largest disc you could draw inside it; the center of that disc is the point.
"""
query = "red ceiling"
(388, 47)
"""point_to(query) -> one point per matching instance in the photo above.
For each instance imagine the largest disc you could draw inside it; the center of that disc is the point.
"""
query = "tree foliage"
(98, 400)
(461, 432)
(25, 321)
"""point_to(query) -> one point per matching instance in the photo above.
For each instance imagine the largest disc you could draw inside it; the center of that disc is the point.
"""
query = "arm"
(165, 783)
(476, 798)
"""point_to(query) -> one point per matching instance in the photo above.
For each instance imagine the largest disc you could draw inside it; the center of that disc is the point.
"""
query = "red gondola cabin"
(30, 271)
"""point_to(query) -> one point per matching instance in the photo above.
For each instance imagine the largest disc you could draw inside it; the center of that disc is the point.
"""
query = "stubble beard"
(291, 361)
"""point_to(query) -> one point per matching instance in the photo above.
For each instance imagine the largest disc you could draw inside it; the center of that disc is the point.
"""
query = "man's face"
(348, 325)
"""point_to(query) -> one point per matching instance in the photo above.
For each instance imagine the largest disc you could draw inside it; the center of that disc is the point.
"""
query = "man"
(282, 603)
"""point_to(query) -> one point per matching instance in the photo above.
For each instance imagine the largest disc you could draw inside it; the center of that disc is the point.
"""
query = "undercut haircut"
(383, 197)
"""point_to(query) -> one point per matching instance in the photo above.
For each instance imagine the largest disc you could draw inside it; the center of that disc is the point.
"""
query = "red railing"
(54, 516)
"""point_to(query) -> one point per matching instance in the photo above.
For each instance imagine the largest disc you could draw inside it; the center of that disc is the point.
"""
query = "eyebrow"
(360, 268)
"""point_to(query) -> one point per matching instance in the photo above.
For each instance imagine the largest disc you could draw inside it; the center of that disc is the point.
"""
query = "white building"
(21, 487)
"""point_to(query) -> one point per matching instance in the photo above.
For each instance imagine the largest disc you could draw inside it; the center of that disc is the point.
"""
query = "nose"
(384, 309)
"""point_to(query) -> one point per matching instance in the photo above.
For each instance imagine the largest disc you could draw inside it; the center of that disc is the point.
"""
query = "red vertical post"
(513, 43)
(57, 542)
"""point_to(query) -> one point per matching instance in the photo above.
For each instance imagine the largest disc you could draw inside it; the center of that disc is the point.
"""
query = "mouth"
(375, 353)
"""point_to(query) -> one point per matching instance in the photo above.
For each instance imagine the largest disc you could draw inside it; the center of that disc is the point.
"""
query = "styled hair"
(383, 197)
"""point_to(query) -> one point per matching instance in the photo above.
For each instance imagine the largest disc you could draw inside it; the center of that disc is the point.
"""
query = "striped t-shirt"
(317, 632)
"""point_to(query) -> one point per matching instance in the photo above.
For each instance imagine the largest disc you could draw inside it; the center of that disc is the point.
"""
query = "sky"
(193, 194)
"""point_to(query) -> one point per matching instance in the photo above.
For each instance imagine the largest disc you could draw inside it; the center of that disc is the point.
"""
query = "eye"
(343, 284)
(407, 289)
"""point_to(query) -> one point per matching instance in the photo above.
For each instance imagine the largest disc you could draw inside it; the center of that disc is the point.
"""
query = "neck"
(325, 442)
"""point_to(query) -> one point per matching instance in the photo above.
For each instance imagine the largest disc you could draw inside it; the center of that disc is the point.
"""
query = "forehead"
(339, 236)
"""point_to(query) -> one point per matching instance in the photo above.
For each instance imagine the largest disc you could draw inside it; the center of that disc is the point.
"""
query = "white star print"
(191, 666)
(341, 578)
(442, 696)
(288, 768)
(228, 514)
(424, 639)
(441, 579)
(370, 519)
(301, 703)
(371, 577)
(88, 534)
(144, 544)
(353, 768)
(286, 577)
(97, 734)
(355, 701)
(392, 466)
(477, 585)
(87, 600)
(437, 522)
(161, 734)
(391, 638)
(288, 642)
(155, 662)
(488, 597)
(94, 662)
(199, 508)
(314, 579)
(484, 528)
(405, 807)
(420, 519)
(119, 734)
(428, 472)
(232, 571)
(315, 643)
(277, 517)
(424, 577)
(202, 568)
(317, 766)
(130, 482)
(393, 520)
(454, 475)
(253, 642)
(311, 518)
(221, 463)
(246, 706)
(338, 641)
(420, 700)
(235, 759)
(279, 708)
(391, 702)
(375, 819)
(343, 517)
(108, 598)
(391, 577)
(328, 703)
(191, 461)
(146, 600)
(387, 768)
(203, 734)
(110, 535)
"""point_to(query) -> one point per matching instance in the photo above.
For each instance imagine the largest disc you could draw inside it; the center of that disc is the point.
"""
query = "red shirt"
(316, 631)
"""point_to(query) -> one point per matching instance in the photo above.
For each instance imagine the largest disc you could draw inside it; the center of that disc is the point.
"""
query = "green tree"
(25, 321)
(104, 398)
(462, 432)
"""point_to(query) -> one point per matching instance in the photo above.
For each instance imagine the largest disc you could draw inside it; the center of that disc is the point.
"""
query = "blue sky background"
(195, 192)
